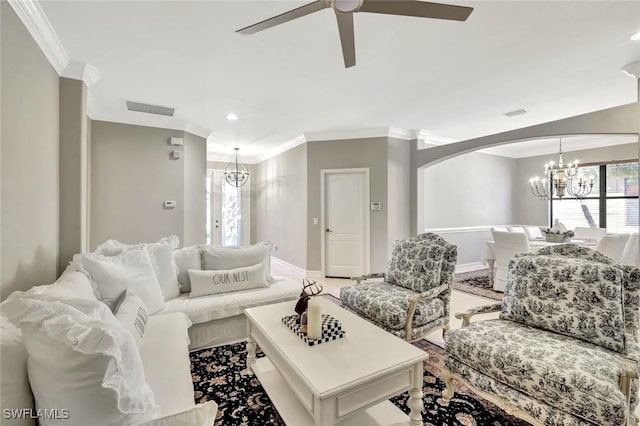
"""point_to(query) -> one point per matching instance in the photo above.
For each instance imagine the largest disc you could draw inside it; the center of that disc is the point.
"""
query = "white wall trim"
(467, 229)
(303, 273)
(468, 267)
(141, 119)
(367, 219)
(35, 20)
(81, 71)
(281, 148)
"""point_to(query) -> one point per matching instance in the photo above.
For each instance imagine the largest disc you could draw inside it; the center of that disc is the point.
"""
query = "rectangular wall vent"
(150, 109)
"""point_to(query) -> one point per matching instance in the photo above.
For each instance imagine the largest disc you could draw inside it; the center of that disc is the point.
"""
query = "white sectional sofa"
(183, 324)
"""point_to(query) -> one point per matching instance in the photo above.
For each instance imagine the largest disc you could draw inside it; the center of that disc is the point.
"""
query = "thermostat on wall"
(176, 154)
(170, 204)
(376, 206)
(176, 141)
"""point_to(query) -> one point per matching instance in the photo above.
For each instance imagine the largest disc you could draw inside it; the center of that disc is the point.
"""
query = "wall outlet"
(170, 204)
(176, 154)
(376, 206)
(315, 220)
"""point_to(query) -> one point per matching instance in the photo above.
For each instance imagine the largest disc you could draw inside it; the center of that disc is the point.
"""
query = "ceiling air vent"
(516, 112)
(150, 109)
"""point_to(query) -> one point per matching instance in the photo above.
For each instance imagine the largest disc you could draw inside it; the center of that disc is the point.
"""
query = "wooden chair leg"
(447, 377)
(446, 328)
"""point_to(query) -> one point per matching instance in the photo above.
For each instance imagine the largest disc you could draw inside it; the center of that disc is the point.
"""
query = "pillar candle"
(314, 319)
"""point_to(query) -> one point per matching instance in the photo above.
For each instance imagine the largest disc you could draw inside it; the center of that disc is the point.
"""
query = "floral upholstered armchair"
(413, 298)
(564, 350)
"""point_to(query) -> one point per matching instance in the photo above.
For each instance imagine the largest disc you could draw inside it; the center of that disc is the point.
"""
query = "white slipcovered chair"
(584, 233)
(533, 232)
(518, 229)
(631, 252)
(613, 245)
(507, 245)
(499, 229)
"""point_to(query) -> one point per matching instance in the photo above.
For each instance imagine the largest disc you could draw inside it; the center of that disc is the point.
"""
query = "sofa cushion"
(201, 415)
(162, 261)
(187, 258)
(208, 308)
(165, 358)
(631, 277)
(387, 304)
(414, 264)
(566, 373)
(81, 359)
(71, 284)
(225, 258)
(15, 391)
(574, 297)
(204, 283)
(112, 275)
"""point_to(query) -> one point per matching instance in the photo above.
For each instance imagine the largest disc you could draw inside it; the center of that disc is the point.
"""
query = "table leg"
(251, 354)
(415, 402)
(491, 263)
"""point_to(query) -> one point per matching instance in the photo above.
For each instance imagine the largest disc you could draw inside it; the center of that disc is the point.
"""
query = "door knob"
(329, 230)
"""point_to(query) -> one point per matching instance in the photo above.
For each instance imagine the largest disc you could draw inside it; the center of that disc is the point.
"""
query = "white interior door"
(228, 221)
(346, 233)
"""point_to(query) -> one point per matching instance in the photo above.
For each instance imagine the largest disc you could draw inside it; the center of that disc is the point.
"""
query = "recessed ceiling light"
(635, 36)
(232, 117)
(516, 112)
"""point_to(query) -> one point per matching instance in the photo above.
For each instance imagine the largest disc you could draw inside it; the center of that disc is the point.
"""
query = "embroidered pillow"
(574, 297)
(225, 281)
(132, 314)
(414, 264)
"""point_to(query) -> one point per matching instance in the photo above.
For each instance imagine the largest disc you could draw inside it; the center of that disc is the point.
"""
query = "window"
(612, 204)
(228, 215)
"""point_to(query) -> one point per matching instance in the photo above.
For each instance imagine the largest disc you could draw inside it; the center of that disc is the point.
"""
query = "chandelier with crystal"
(236, 174)
(558, 180)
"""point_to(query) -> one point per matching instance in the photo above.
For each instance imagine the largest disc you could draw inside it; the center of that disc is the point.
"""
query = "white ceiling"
(455, 80)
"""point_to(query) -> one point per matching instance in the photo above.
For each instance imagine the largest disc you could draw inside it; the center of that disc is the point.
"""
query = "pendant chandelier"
(236, 174)
(558, 181)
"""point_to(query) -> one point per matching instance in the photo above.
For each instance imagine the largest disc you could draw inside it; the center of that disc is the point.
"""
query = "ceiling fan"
(345, 9)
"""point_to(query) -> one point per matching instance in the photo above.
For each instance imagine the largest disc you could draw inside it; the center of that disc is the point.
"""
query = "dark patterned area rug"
(219, 374)
(476, 282)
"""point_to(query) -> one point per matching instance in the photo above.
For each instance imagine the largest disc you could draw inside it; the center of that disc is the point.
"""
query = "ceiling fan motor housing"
(346, 6)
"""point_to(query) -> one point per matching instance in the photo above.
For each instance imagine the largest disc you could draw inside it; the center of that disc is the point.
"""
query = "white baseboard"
(468, 267)
(303, 273)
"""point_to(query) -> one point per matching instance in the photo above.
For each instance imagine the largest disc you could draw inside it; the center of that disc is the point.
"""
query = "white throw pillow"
(15, 392)
(132, 314)
(201, 415)
(161, 255)
(71, 285)
(187, 258)
(225, 258)
(80, 359)
(111, 275)
(225, 281)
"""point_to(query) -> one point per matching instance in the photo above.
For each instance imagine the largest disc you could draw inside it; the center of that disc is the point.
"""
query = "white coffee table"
(348, 380)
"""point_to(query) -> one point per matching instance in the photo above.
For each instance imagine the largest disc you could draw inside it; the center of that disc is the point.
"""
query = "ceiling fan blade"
(347, 39)
(285, 17)
(421, 9)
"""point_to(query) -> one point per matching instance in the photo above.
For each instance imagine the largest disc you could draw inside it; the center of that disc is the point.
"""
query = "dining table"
(488, 255)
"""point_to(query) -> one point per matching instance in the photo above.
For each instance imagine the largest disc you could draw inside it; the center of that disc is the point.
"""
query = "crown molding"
(81, 71)
(427, 139)
(92, 107)
(333, 135)
(34, 19)
(282, 148)
(148, 120)
(404, 134)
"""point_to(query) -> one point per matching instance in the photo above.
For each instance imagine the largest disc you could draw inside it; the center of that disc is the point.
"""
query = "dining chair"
(500, 229)
(631, 252)
(584, 233)
(507, 245)
(533, 232)
(613, 245)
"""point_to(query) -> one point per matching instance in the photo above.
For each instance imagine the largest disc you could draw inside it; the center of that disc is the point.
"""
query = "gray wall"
(398, 190)
(29, 167)
(73, 170)
(355, 153)
(132, 174)
(195, 187)
(531, 210)
(469, 190)
(281, 205)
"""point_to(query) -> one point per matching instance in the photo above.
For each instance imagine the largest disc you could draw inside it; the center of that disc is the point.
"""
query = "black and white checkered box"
(331, 329)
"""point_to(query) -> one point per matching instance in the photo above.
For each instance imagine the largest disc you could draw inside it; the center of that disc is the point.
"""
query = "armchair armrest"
(359, 279)
(413, 304)
(485, 309)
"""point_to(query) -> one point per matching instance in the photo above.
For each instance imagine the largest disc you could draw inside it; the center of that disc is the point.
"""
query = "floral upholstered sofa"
(414, 297)
(564, 350)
